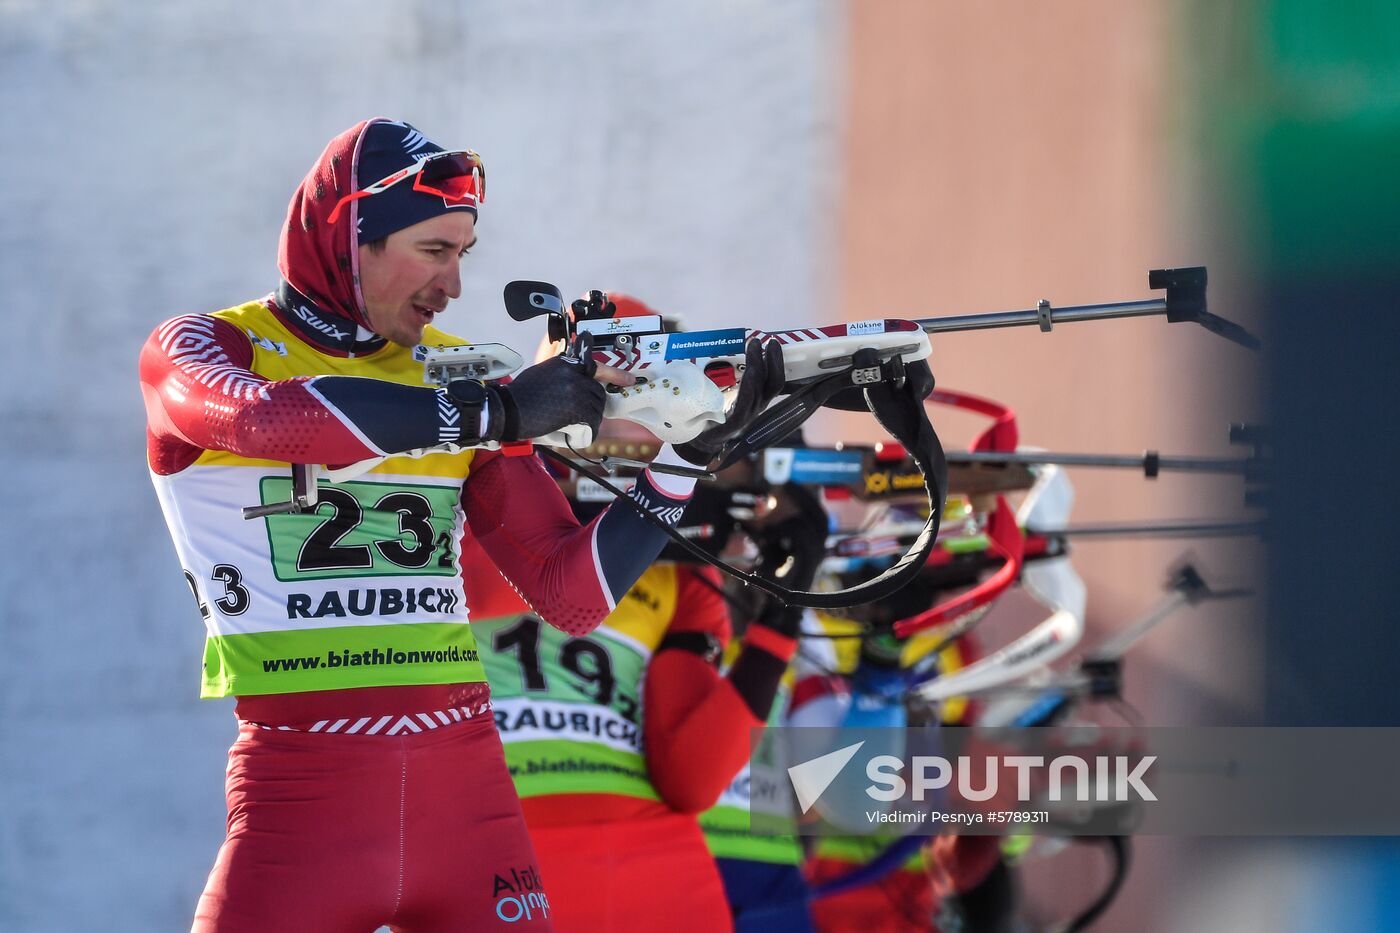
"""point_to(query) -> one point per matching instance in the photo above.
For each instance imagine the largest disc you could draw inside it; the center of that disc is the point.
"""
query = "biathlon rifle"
(678, 395)
(671, 402)
(855, 365)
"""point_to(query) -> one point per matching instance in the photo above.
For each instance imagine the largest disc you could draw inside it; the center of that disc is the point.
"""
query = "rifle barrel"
(1132, 461)
(1036, 316)
(1163, 529)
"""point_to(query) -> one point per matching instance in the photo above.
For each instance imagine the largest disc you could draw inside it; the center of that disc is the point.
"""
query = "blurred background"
(774, 163)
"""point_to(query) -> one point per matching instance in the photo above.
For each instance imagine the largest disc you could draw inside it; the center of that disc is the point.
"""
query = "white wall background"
(683, 152)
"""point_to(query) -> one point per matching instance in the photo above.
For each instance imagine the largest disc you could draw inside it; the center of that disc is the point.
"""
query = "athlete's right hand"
(545, 398)
(762, 381)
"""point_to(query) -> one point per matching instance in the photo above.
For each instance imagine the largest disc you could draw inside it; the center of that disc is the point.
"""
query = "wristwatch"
(471, 398)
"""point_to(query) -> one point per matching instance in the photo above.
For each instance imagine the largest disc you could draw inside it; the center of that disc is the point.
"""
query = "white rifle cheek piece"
(676, 403)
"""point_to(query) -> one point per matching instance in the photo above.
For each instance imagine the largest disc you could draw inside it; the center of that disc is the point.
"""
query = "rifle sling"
(897, 402)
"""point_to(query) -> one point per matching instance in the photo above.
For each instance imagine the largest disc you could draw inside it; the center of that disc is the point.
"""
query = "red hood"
(319, 259)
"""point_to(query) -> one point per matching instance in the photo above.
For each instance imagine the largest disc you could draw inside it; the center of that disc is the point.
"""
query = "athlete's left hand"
(545, 398)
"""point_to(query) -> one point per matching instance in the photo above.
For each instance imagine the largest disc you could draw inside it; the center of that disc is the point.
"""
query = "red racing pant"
(635, 876)
(332, 832)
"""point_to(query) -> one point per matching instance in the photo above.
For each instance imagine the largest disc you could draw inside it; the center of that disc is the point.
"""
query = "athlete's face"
(415, 275)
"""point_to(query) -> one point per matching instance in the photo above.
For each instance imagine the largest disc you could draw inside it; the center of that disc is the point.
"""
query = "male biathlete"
(367, 785)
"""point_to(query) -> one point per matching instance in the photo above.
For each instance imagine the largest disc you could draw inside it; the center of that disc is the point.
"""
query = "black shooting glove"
(762, 382)
(544, 398)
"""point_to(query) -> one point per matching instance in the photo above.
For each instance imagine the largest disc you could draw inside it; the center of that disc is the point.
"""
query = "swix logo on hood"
(314, 320)
(311, 322)
(520, 895)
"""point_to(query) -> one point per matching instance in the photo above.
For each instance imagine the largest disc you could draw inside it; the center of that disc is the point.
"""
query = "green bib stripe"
(331, 659)
(567, 766)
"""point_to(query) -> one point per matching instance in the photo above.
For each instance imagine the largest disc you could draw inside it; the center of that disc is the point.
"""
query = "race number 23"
(363, 530)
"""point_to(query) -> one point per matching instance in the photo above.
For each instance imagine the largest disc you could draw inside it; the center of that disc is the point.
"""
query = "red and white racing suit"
(367, 785)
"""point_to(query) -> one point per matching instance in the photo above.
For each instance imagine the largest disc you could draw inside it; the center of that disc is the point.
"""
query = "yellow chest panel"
(278, 353)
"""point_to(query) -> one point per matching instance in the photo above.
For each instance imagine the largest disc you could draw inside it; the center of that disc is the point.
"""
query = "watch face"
(467, 391)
